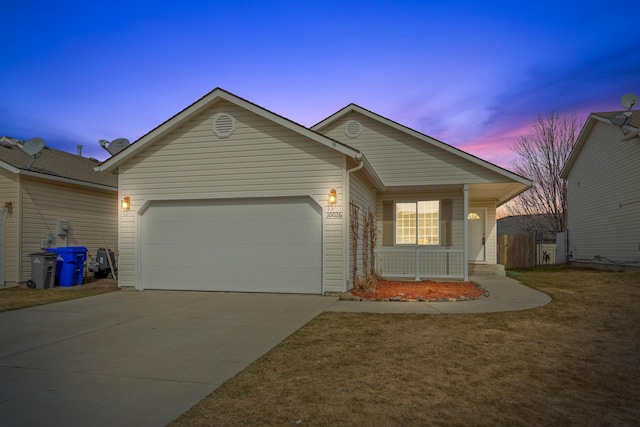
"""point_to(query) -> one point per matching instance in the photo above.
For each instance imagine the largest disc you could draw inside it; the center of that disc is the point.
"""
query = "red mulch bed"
(426, 290)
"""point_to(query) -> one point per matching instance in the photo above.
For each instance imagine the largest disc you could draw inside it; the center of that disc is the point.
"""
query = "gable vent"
(352, 129)
(223, 125)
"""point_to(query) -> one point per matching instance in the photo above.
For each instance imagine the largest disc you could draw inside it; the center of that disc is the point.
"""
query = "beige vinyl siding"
(605, 175)
(491, 228)
(260, 159)
(362, 192)
(457, 210)
(401, 159)
(92, 214)
(9, 192)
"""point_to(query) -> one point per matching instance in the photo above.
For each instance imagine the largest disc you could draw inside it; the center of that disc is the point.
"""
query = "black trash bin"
(43, 269)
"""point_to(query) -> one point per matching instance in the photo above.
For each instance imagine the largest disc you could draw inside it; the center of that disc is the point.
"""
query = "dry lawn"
(575, 361)
(18, 297)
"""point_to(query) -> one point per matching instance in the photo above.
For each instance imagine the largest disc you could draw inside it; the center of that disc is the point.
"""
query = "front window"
(418, 223)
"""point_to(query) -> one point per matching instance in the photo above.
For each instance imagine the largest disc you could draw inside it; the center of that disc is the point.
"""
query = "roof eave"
(573, 155)
(57, 178)
(206, 101)
(373, 175)
(335, 116)
(426, 138)
(516, 191)
(633, 132)
(116, 160)
(9, 167)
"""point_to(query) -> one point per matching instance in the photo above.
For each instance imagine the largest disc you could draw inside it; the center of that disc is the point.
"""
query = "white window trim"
(395, 224)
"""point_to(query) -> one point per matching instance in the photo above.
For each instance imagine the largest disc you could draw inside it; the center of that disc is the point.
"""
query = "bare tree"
(542, 154)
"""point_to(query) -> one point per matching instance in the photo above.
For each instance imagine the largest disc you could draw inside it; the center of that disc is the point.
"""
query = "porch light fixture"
(333, 197)
(7, 208)
(125, 204)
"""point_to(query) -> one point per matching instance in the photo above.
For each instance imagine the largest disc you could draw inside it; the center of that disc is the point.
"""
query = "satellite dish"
(33, 146)
(620, 119)
(117, 145)
(629, 101)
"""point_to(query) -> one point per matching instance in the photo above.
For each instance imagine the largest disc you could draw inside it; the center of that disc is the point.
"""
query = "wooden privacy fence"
(517, 250)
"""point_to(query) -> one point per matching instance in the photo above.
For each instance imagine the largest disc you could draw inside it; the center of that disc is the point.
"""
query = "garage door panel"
(282, 231)
(292, 280)
(250, 245)
(258, 255)
(235, 209)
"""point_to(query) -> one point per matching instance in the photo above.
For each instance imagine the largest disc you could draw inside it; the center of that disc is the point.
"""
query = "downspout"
(360, 165)
(347, 224)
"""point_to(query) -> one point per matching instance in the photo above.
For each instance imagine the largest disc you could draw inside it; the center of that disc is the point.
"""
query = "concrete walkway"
(505, 294)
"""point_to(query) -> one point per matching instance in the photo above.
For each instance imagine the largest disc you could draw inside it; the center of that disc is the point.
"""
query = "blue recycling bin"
(70, 265)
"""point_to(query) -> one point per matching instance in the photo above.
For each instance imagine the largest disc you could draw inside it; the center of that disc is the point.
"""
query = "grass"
(575, 361)
(19, 297)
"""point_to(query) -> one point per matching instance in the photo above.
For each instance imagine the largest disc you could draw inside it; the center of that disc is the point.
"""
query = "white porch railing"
(418, 262)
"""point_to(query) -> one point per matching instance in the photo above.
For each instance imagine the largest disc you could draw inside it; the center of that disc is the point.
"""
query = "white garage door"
(247, 245)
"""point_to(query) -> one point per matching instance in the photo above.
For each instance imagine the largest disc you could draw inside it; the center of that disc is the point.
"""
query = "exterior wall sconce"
(125, 204)
(7, 208)
(333, 197)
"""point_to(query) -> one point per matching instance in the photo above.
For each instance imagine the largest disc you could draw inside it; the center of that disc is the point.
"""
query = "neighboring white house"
(36, 195)
(603, 183)
(228, 196)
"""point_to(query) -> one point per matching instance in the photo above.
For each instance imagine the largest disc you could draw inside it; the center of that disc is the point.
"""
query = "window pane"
(429, 222)
(418, 223)
(405, 223)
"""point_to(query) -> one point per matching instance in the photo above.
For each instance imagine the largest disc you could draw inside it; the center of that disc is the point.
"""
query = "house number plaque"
(334, 215)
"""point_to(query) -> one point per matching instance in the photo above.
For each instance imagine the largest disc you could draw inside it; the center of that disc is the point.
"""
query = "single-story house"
(54, 200)
(228, 196)
(603, 194)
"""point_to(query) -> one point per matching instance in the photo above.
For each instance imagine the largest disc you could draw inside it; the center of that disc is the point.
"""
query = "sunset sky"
(471, 74)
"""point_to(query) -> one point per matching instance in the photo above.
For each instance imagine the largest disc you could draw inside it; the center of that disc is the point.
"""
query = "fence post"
(417, 265)
(505, 245)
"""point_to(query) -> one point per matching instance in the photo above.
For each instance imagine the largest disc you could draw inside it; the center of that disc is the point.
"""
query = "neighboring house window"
(417, 223)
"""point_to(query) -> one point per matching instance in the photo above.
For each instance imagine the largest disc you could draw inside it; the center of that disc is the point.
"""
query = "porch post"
(465, 223)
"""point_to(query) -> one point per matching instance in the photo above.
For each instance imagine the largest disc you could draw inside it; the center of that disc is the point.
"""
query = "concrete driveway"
(135, 358)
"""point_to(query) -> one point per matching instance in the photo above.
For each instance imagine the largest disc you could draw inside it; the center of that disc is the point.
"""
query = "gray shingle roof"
(55, 163)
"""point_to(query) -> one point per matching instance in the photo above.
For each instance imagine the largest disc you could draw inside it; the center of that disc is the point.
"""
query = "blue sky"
(471, 74)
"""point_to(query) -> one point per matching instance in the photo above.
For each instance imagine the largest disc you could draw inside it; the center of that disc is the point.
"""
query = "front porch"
(439, 232)
(420, 262)
(430, 263)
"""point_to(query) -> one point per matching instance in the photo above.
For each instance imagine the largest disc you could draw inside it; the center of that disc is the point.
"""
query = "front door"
(476, 219)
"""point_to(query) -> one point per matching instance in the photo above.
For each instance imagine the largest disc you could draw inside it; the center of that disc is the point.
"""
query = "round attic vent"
(352, 129)
(223, 125)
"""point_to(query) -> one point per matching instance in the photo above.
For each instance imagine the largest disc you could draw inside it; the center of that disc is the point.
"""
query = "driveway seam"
(136, 377)
(93, 331)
